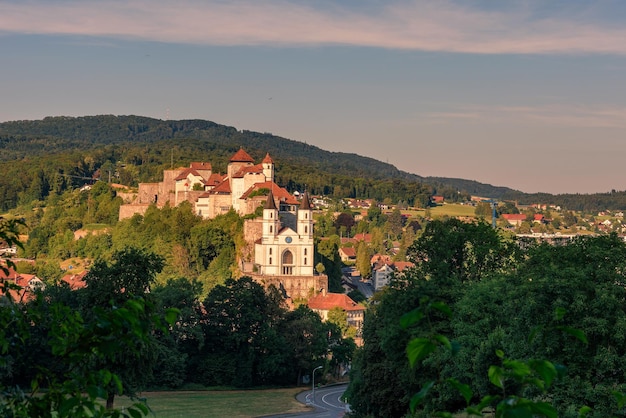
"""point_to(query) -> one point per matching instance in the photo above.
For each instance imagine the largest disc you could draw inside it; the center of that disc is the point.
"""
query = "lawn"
(218, 404)
(451, 210)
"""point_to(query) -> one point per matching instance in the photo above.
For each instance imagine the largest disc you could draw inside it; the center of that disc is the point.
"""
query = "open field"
(451, 210)
(218, 404)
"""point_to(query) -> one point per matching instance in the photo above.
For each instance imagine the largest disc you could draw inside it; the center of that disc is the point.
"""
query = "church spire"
(270, 203)
(305, 204)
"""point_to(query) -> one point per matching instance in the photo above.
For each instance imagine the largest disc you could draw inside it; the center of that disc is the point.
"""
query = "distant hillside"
(139, 148)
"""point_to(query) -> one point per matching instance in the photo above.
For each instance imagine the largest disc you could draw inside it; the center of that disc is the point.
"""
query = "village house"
(28, 284)
(324, 302)
(383, 267)
(347, 254)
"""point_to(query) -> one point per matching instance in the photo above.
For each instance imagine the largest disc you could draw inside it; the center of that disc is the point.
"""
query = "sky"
(529, 95)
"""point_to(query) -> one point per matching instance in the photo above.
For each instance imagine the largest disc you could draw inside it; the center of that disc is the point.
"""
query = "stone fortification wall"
(127, 211)
(148, 193)
(295, 287)
(252, 231)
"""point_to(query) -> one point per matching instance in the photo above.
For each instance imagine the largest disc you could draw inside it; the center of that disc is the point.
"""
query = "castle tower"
(268, 167)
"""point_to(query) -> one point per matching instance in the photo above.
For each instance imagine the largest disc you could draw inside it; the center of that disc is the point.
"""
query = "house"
(383, 267)
(438, 200)
(347, 254)
(324, 302)
(514, 219)
(75, 281)
(28, 284)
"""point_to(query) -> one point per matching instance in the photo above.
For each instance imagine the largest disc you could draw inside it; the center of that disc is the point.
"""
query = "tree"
(345, 221)
(363, 259)
(460, 252)
(109, 285)
(483, 210)
(240, 318)
(395, 222)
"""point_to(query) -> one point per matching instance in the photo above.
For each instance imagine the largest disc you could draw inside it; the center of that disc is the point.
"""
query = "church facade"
(284, 254)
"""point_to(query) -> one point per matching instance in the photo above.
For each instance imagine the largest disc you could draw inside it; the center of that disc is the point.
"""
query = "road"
(327, 403)
(363, 287)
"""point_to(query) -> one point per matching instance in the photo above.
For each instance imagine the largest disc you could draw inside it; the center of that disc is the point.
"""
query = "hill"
(40, 156)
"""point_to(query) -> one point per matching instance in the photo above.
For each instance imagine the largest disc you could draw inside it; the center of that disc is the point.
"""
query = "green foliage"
(69, 382)
(502, 304)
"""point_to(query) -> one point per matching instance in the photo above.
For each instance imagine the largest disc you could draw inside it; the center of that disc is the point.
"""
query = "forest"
(56, 153)
(481, 324)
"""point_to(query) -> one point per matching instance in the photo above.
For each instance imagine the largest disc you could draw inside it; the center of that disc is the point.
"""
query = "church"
(284, 253)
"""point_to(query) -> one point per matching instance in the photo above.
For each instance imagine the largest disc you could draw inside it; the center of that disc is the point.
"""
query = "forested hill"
(59, 134)
(37, 157)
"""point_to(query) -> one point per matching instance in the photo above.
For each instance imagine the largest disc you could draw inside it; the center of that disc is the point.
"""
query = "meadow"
(218, 404)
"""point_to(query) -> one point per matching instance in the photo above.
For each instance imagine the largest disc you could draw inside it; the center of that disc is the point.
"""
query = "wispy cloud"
(577, 116)
(400, 24)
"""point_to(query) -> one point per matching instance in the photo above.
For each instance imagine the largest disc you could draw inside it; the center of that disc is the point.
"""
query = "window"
(271, 229)
(270, 251)
(306, 229)
(305, 251)
(287, 257)
(270, 260)
(305, 261)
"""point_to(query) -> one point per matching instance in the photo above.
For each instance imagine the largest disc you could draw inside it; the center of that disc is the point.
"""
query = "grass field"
(218, 404)
(451, 210)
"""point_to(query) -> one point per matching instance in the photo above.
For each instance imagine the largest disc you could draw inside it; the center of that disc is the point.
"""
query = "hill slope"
(77, 147)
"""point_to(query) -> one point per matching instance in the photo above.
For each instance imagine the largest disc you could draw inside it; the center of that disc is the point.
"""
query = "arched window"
(270, 251)
(306, 216)
(287, 267)
(287, 257)
(271, 229)
(305, 261)
(270, 260)
(306, 229)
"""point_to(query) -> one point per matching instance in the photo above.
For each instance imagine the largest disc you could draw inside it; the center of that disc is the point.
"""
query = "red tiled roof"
(268, 159)
(186, 172)
(241, 157)
(348, 251)
(249, 169)
(214, 179)
(76, 281)
(328, 301)
(200, 166)
(403, 265)
(279, 193)
(514, 216)
(363, 237)
(223, 187)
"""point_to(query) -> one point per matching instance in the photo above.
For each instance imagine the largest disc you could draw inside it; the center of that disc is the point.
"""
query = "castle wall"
(127, 211)
(148, 193)
(296, 287)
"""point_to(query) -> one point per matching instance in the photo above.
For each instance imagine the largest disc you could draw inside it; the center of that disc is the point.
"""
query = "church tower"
(305, 236)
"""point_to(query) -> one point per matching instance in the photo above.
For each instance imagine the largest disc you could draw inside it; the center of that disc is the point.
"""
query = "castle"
(280, 247)
(211, 194)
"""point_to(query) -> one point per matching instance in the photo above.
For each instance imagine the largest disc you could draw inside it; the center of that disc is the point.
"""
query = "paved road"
(327, 403)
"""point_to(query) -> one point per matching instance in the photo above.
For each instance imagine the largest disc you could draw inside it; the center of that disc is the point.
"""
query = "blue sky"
(525, 94)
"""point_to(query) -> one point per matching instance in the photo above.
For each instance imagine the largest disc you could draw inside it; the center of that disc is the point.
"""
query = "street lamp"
(313, 386)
